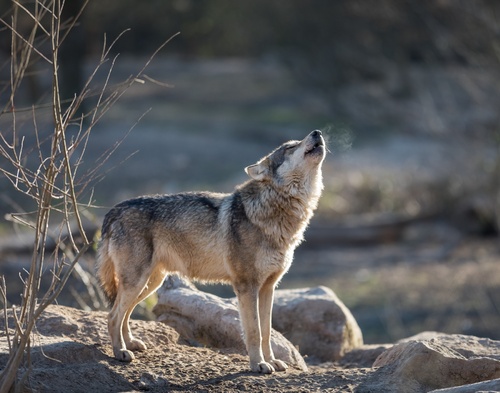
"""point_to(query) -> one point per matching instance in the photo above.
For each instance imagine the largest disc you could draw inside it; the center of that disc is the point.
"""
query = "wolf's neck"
(282, 213)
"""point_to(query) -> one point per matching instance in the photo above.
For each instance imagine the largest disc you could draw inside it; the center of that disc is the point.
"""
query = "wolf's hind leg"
(153, 284)
(118, 319)
(115, 326)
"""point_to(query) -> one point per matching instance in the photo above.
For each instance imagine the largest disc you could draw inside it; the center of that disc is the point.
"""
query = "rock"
(182, 306)
(317, 322)
(206, 319)
(422, 336)
(314, 320)
(487, 386)
(365, 355)
(441, 362)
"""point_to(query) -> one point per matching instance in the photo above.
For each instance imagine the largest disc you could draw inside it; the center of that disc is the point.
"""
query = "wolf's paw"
(279, 365)
(262, 368)
(136, 345)
(124, 355)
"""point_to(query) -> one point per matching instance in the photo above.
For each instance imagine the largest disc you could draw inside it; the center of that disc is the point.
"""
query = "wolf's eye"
(290, 147)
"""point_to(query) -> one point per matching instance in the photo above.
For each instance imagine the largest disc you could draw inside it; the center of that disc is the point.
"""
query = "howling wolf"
(246, 238)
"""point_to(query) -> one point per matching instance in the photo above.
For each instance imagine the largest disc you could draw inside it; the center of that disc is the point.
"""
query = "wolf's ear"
(257, 171)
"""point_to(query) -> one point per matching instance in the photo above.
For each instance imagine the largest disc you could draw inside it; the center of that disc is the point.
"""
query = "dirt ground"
(77, 357)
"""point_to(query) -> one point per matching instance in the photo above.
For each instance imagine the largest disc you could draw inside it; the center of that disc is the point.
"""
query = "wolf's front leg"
(247, 302)
(266, 296)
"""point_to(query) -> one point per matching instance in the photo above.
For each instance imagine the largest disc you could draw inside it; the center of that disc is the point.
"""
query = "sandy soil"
(77, 357)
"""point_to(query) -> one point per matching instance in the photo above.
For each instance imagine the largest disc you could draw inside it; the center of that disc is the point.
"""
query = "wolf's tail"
(106, 271)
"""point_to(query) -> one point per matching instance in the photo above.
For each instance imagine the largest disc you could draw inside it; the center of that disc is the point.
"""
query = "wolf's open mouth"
(316, 145)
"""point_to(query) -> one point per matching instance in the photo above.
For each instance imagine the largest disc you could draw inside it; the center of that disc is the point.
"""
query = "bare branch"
(3, 292)
(156, 82)
(29, 44)
(52, 180)
(35, 19)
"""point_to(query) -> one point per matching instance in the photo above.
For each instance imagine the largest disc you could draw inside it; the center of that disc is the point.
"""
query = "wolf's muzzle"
(315, 143)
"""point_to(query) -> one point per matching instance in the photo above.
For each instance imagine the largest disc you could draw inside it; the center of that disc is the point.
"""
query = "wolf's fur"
(246, 238)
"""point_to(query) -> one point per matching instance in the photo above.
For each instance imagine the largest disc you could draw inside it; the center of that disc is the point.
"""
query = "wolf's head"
(294, 163)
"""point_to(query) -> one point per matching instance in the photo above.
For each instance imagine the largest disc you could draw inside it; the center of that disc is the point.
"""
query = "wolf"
(246, 238)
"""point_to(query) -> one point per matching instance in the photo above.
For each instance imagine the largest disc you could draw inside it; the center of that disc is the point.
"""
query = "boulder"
(206, 319)
(444, 361)
(317, 322)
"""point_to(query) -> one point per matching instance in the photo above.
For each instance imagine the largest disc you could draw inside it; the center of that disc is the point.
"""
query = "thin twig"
(29, 44)
(3, 292)
(33, 17)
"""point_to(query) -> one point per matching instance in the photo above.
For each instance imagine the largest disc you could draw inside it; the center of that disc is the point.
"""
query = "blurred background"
(407, 93)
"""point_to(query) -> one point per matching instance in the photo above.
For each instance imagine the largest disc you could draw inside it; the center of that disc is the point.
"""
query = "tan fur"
(246, 238)
(106, 272)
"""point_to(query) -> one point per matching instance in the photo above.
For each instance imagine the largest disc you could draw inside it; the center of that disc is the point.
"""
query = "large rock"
(444, 361)
(209, 320)
(317, 322)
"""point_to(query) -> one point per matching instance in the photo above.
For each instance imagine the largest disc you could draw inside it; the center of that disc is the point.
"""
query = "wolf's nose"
(316, 133)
